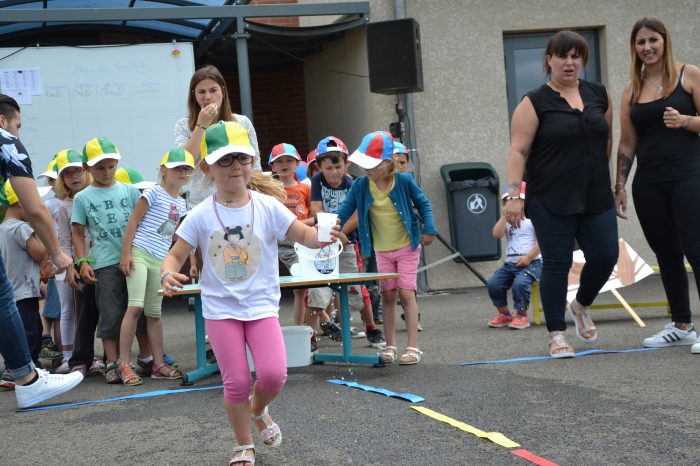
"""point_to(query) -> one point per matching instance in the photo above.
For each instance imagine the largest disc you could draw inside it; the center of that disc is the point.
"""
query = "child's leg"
(228, 338)
(522, 286)
(299, 308)
(407, 266)
(266, 344)
(153, 304)
(112, 300)
(87, 316)
(498, 286)
(127, 332)
(389, 311)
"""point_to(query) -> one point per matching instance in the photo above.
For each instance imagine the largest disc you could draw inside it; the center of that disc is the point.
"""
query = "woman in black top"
(561, 137)
(659, 126)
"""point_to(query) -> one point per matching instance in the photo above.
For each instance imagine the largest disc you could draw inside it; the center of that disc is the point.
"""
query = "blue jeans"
(13, 341)
(520, 279)
(597, 236)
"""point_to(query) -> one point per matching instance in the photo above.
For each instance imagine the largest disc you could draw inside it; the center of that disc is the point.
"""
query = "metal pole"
(243, 68)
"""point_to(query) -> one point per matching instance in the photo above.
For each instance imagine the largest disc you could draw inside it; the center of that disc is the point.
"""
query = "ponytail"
(265, 184)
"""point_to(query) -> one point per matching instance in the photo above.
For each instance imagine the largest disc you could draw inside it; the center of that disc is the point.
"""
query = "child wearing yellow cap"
(148, 237)
(20, 247)
(103, 210)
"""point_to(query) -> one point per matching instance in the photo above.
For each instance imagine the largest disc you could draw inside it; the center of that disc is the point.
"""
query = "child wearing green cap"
(147, 240)
(20, 247)
(103, 210)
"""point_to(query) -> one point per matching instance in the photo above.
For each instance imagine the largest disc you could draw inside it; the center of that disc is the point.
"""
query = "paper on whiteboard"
(630, 268)
(25, 79)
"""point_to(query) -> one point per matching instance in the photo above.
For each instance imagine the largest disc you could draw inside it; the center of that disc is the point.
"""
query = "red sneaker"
(519, 322)
(500, 321)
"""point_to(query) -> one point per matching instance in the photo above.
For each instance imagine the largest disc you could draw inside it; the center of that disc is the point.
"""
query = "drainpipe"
(405, 110)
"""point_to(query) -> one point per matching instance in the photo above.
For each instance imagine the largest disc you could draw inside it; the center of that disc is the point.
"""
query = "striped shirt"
(155, 232)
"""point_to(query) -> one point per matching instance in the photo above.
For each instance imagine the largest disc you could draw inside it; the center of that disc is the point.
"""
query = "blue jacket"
(405, 196)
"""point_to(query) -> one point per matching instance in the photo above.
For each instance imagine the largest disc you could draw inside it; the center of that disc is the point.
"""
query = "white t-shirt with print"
(520, 240)
(240, 277)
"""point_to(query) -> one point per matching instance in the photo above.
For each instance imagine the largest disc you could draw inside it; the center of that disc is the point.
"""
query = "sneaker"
(519, 322)
(63, 368)
(331, 330)
(49, 351)
(376, 338)
(47, 386)
(672, 336)
(501, 320)
(695, 349)
(7, 381)
(97, 367)
(354, 333)
(170, 361)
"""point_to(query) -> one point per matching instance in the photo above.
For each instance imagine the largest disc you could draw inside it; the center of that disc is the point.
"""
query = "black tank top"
(567, 168)
(665, 154)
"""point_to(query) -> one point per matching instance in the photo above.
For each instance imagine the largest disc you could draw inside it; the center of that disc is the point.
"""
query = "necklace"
(252, 213)
(658, 88)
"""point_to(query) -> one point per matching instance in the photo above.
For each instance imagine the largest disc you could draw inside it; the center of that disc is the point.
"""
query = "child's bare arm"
(126, 264)
(316, 207)
(170, 278)
(78, 237)
(36, 249)
(499, 229)
(308, 236)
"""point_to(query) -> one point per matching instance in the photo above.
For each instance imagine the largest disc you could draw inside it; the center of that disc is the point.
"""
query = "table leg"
(203, 369)
(347, 355)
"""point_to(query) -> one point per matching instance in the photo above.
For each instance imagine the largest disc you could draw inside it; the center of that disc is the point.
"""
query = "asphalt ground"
(605, 409)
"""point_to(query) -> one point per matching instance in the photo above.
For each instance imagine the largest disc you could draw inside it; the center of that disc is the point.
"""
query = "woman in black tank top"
(659, 126)
(561, 136)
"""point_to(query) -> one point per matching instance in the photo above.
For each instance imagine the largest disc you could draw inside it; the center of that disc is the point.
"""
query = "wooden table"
(339, 284)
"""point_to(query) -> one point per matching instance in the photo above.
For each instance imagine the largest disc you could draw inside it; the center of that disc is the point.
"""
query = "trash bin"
(474, 208)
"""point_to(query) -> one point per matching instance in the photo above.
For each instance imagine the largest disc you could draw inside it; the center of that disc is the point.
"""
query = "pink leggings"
(228, 339)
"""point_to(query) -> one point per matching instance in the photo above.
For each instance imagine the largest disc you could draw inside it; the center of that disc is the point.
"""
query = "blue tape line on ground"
(541, 358)
(382, 391)
(126, 397)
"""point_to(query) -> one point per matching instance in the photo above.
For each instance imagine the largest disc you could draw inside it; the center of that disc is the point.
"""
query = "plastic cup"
(325, 224)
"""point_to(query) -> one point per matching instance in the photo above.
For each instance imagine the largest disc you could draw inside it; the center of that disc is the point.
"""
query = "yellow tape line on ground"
(496, 437)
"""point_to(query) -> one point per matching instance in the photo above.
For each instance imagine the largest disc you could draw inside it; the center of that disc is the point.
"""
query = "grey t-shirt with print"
(23, 272)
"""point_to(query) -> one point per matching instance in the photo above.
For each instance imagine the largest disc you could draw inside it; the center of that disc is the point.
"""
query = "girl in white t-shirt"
(237, 229)
(147, 239)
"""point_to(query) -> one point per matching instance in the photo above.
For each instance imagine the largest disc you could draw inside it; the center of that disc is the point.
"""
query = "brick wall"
(289, 21)
(279, 106)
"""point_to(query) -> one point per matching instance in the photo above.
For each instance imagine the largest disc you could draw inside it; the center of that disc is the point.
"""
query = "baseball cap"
(374, 149)
(399, 148)
(301, 171)
(8, 196)
(67, 158)
(223, 138)
(99, 149)
(129, 175)
(523, 185)
(177, 157)
(311, 157)
(330, 144)
(280, 150)
(50, 170)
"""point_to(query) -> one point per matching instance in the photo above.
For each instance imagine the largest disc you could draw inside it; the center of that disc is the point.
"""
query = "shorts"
(112, 299)
(143, 283)
(321, 297)
(286, 253)
(52, 305)
(405, 262)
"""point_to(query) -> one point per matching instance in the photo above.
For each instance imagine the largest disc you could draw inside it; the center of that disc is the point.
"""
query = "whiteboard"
(132, 95)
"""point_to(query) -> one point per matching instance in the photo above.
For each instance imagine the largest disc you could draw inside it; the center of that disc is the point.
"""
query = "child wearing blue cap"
(384, 200)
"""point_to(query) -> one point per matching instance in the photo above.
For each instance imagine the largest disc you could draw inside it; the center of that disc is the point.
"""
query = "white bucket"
(321, 263)
(297, 343)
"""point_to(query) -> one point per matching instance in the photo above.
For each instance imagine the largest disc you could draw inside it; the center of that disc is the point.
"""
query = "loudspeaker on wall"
(394, 56)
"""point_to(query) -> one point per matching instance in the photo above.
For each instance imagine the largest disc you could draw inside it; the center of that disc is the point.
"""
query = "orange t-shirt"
(299, 200)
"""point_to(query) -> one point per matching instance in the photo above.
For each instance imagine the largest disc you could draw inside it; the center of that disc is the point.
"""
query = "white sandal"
(271, 431)
(243, 458)
(389, 354)
(586, 323)
(557, 341)
(409, 359)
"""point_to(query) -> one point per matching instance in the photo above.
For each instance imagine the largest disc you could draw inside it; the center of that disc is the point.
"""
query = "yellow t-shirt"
(388, 230)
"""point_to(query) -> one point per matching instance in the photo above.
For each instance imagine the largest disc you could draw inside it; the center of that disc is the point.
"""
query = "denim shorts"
(52, 305)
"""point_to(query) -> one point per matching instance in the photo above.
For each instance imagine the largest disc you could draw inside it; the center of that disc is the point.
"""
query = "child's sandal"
(128, 376)
(389, 354)
(411, 356)
(270, 432)
(170, 372)
(242, 459)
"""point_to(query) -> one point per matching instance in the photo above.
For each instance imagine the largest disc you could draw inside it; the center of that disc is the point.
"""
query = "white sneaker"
(64, 368)
(47, 386)
(672, 336)
(695, 349)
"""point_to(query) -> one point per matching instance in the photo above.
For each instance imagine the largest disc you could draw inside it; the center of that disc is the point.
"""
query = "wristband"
(687, 121)
(201, 126)
(163, 275)
(513, 198)
(620, 190)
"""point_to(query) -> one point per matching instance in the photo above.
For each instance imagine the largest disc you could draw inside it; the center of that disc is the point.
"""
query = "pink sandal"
(243, 458)
(271, 431)
(171, 372)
